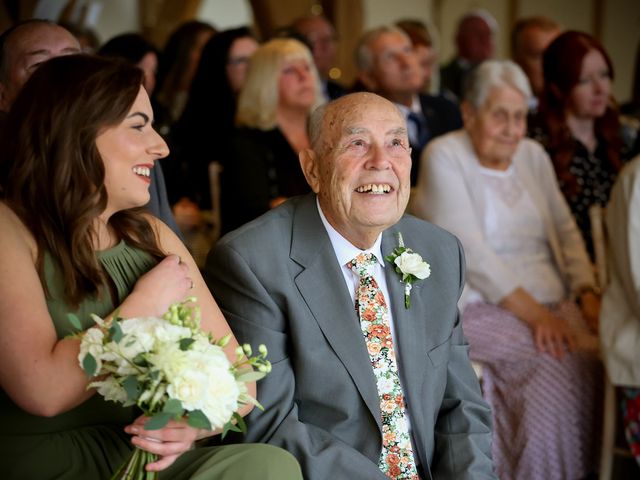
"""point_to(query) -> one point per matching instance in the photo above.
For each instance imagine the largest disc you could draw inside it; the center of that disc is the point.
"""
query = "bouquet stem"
(133, 468)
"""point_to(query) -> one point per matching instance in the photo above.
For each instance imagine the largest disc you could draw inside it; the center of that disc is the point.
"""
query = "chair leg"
(608, 431)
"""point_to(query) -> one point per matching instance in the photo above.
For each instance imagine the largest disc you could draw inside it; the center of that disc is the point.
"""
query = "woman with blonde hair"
(281, 89)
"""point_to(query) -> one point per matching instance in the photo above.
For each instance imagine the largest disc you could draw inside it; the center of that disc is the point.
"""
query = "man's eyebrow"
(144, 116)
(397, 131)
(355, 130)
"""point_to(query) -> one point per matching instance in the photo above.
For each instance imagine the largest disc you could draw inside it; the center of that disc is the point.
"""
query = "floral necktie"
(396, 459)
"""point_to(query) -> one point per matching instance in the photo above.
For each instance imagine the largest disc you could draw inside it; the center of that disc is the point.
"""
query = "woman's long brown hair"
(562, 65)
(52, 174)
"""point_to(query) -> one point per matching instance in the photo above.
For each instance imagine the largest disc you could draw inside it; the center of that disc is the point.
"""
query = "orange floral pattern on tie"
(396, 458)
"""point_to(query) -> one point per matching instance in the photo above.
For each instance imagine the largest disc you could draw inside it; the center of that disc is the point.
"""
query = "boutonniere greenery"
(410, 266)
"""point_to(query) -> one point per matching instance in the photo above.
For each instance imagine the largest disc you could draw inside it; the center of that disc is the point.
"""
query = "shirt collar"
(415, 106)
(344, 249)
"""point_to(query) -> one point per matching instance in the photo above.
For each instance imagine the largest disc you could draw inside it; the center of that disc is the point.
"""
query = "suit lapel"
(411, 332)
(322, 287)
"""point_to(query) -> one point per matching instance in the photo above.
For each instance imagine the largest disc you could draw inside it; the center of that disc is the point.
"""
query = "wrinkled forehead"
(366, 115)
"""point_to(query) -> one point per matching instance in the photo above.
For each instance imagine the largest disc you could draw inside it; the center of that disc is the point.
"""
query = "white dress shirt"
(345, 252)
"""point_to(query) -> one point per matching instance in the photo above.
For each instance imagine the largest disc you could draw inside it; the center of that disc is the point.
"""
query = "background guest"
(134, 48)
(178, 65)
(529, 38)
(208, 118)
(75, 240)
(475, 43)
(16, 63)
(578, 123)
(262, 170)
(320, 35)
(423, 47)
(387, 65)
(526, 261)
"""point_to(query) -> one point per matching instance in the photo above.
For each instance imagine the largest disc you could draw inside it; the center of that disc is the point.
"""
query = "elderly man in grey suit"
(371, 377)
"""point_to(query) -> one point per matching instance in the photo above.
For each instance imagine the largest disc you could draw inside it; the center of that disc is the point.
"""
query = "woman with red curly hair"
(578, 123)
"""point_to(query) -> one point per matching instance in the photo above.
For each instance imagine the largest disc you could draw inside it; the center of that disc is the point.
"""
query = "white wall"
(386, 12)
(224, 14)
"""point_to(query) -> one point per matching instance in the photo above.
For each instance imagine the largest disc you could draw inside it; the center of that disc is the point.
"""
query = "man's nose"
(378, 158)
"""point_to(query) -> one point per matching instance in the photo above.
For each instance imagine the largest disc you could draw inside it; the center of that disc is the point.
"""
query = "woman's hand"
(590, 307)
(552, 335)
(165, 284)
(168, 443)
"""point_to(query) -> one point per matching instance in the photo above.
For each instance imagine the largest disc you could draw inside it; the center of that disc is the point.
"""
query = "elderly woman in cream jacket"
(526, 264)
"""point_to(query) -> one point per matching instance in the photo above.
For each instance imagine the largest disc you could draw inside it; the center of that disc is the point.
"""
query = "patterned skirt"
(546, 411)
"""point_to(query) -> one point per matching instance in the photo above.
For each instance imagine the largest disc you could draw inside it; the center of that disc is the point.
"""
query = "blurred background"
(616, 23)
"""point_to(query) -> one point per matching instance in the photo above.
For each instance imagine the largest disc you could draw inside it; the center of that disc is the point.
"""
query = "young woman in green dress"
(73, 173)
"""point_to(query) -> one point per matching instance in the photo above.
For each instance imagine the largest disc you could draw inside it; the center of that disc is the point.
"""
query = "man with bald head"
(23, 48)
(371, 377)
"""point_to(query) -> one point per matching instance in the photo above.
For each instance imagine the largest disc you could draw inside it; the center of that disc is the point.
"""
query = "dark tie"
(396, 459)
(422, 131)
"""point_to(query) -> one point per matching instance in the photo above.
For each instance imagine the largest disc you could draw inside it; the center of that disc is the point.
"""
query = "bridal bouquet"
(170, 369)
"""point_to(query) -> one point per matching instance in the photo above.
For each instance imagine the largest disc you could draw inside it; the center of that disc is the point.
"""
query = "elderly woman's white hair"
(495, 74)
(258, 100)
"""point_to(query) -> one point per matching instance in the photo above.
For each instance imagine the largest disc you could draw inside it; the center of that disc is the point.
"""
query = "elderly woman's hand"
(590, 307)
(168, 442)
(552, 335)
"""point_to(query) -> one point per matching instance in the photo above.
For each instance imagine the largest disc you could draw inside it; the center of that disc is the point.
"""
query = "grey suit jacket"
(278, 282)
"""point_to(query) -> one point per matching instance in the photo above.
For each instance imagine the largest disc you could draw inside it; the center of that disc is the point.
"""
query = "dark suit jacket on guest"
(442, 116)
(453, 76)
(278, 282)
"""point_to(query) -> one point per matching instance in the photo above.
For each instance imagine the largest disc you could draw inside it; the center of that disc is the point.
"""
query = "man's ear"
(308, 163)
(368, 80)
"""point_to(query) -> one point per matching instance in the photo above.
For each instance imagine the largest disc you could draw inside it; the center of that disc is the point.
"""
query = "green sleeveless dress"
(88, 441)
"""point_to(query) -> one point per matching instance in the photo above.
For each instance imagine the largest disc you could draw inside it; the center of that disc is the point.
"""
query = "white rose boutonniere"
(410, 266)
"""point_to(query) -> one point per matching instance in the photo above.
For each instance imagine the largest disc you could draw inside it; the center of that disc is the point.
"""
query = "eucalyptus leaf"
(74, 321)
(174, 407)
(115, 332)
(229, 427)
(158, 421)
(132, 387)
(89, 365)
(240, 422)
(197, 419)
(185, 343)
